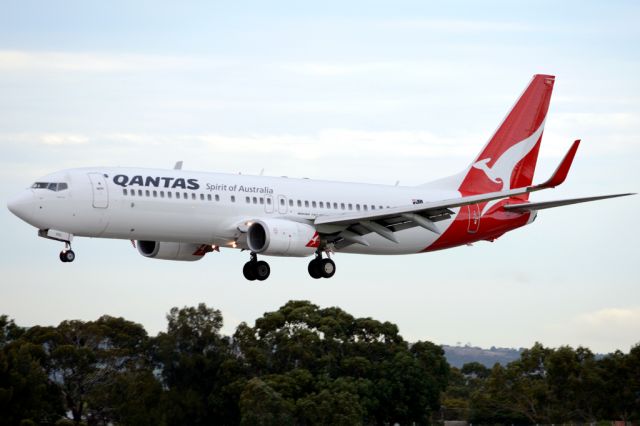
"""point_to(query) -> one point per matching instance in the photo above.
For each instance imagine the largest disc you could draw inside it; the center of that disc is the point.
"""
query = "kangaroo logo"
(502, 169)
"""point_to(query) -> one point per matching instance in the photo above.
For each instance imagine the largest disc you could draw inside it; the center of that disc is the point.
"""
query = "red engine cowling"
(172, 251)
(277, 237)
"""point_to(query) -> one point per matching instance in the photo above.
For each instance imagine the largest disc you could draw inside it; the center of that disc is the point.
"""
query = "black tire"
(314, 269)
(63, 258)
(327, 268)
(249, 271)
(69, 256)
(262, 270)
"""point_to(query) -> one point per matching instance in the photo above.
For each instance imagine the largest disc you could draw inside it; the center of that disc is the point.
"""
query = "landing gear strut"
(321, 268)
(67, 255)
(256, 269)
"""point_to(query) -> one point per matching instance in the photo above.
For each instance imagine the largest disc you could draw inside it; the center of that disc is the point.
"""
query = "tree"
(203, 379)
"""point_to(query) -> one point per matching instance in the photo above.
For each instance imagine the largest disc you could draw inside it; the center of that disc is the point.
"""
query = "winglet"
(561, 172)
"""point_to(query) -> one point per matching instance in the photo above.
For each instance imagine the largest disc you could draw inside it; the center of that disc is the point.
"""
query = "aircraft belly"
(410, 241)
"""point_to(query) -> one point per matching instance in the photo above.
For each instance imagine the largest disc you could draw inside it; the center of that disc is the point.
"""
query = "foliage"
(299, 365)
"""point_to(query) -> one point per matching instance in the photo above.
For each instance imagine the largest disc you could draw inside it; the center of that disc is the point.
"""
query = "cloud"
(21, 60)
(602, 330)
(63, 139)
(454, 25)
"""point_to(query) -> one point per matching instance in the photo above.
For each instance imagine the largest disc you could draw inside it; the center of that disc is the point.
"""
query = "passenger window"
(299, 203)
(255, 200)
(282, 201)
(290, 203)
(365, 207)
(233, 198)
(269, 201)
(335, 206)
(208, 197)
(140, 192)
(124, 191)
(248, 199)
(161, 194)
(133, 192)
(202, 197)
(261, 200)
(169, 194)
(313, 204)
(342, 206)
(193, 195)
(147, 193)
(155, 194)
(350, 206)
(185, 195)
(306, 203)
(177, 195)
(217, 197)
(321, 204)
(358, 207)
(373, 207)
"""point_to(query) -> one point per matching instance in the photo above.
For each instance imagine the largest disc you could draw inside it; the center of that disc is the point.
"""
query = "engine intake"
(277, 237)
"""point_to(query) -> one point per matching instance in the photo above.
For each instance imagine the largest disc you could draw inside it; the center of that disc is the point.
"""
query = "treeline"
(300, 365)
(547, 386)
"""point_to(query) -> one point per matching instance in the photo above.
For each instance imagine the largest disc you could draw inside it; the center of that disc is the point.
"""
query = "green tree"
(260, 405)
(203, 379)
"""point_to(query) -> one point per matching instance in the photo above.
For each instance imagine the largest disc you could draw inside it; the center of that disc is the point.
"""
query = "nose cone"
(22, 205)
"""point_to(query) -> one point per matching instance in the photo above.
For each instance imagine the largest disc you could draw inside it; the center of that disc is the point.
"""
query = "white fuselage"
(206, 208)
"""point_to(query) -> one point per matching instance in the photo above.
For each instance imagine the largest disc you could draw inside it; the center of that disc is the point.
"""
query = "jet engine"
(172, 251)
(277, 237)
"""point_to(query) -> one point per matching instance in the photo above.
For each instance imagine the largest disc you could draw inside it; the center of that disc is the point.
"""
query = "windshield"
(52, 186)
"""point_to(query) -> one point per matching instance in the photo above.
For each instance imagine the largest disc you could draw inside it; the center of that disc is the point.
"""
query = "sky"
(362, 91)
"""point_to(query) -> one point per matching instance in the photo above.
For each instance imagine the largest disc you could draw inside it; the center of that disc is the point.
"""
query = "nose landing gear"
(256, 269)
(67, 255)
(321, 268)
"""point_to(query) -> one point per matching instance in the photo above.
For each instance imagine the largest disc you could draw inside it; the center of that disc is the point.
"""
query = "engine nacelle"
(277, 237)
(172, 251)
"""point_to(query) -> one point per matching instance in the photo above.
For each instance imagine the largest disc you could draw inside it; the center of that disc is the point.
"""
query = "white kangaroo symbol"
(502, 169)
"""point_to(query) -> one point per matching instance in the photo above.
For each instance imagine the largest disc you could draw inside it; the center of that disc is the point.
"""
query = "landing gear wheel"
(67, 256)
(248, 271)
(261, 270)
(326, 267)
(314, 269)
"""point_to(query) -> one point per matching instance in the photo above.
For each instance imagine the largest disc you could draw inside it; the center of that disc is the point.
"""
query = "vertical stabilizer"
(508, 160)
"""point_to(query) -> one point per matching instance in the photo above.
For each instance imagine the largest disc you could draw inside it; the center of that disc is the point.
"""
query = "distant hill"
(457, 356)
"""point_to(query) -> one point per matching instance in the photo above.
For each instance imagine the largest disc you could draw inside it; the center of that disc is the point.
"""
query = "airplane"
(181, 215)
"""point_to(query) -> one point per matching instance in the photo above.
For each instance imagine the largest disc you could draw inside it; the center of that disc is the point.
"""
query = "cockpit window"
(52, 186)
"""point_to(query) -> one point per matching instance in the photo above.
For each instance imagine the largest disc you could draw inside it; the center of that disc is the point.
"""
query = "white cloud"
(454, 25)
(63, 139)
(602, 330)
(21, 60)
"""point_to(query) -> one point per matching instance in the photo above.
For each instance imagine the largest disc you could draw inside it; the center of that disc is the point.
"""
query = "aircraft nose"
(22, 205)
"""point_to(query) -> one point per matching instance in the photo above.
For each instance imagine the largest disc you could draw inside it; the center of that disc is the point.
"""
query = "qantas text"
(156, 182)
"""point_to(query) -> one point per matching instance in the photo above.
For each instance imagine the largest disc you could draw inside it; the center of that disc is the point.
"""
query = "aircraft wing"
(348, 228)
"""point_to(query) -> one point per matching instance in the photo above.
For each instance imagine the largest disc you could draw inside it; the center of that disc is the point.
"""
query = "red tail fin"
(509, 158)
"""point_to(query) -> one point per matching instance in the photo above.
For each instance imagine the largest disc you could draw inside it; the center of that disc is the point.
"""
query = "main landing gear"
(67, 255)
(256, 269)
(321, 268)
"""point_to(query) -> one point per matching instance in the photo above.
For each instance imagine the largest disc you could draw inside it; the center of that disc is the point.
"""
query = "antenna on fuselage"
(178, 165)
(397, 183)
(262, 172)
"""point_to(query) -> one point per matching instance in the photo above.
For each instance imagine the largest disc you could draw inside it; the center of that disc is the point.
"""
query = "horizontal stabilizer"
(557, 203)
